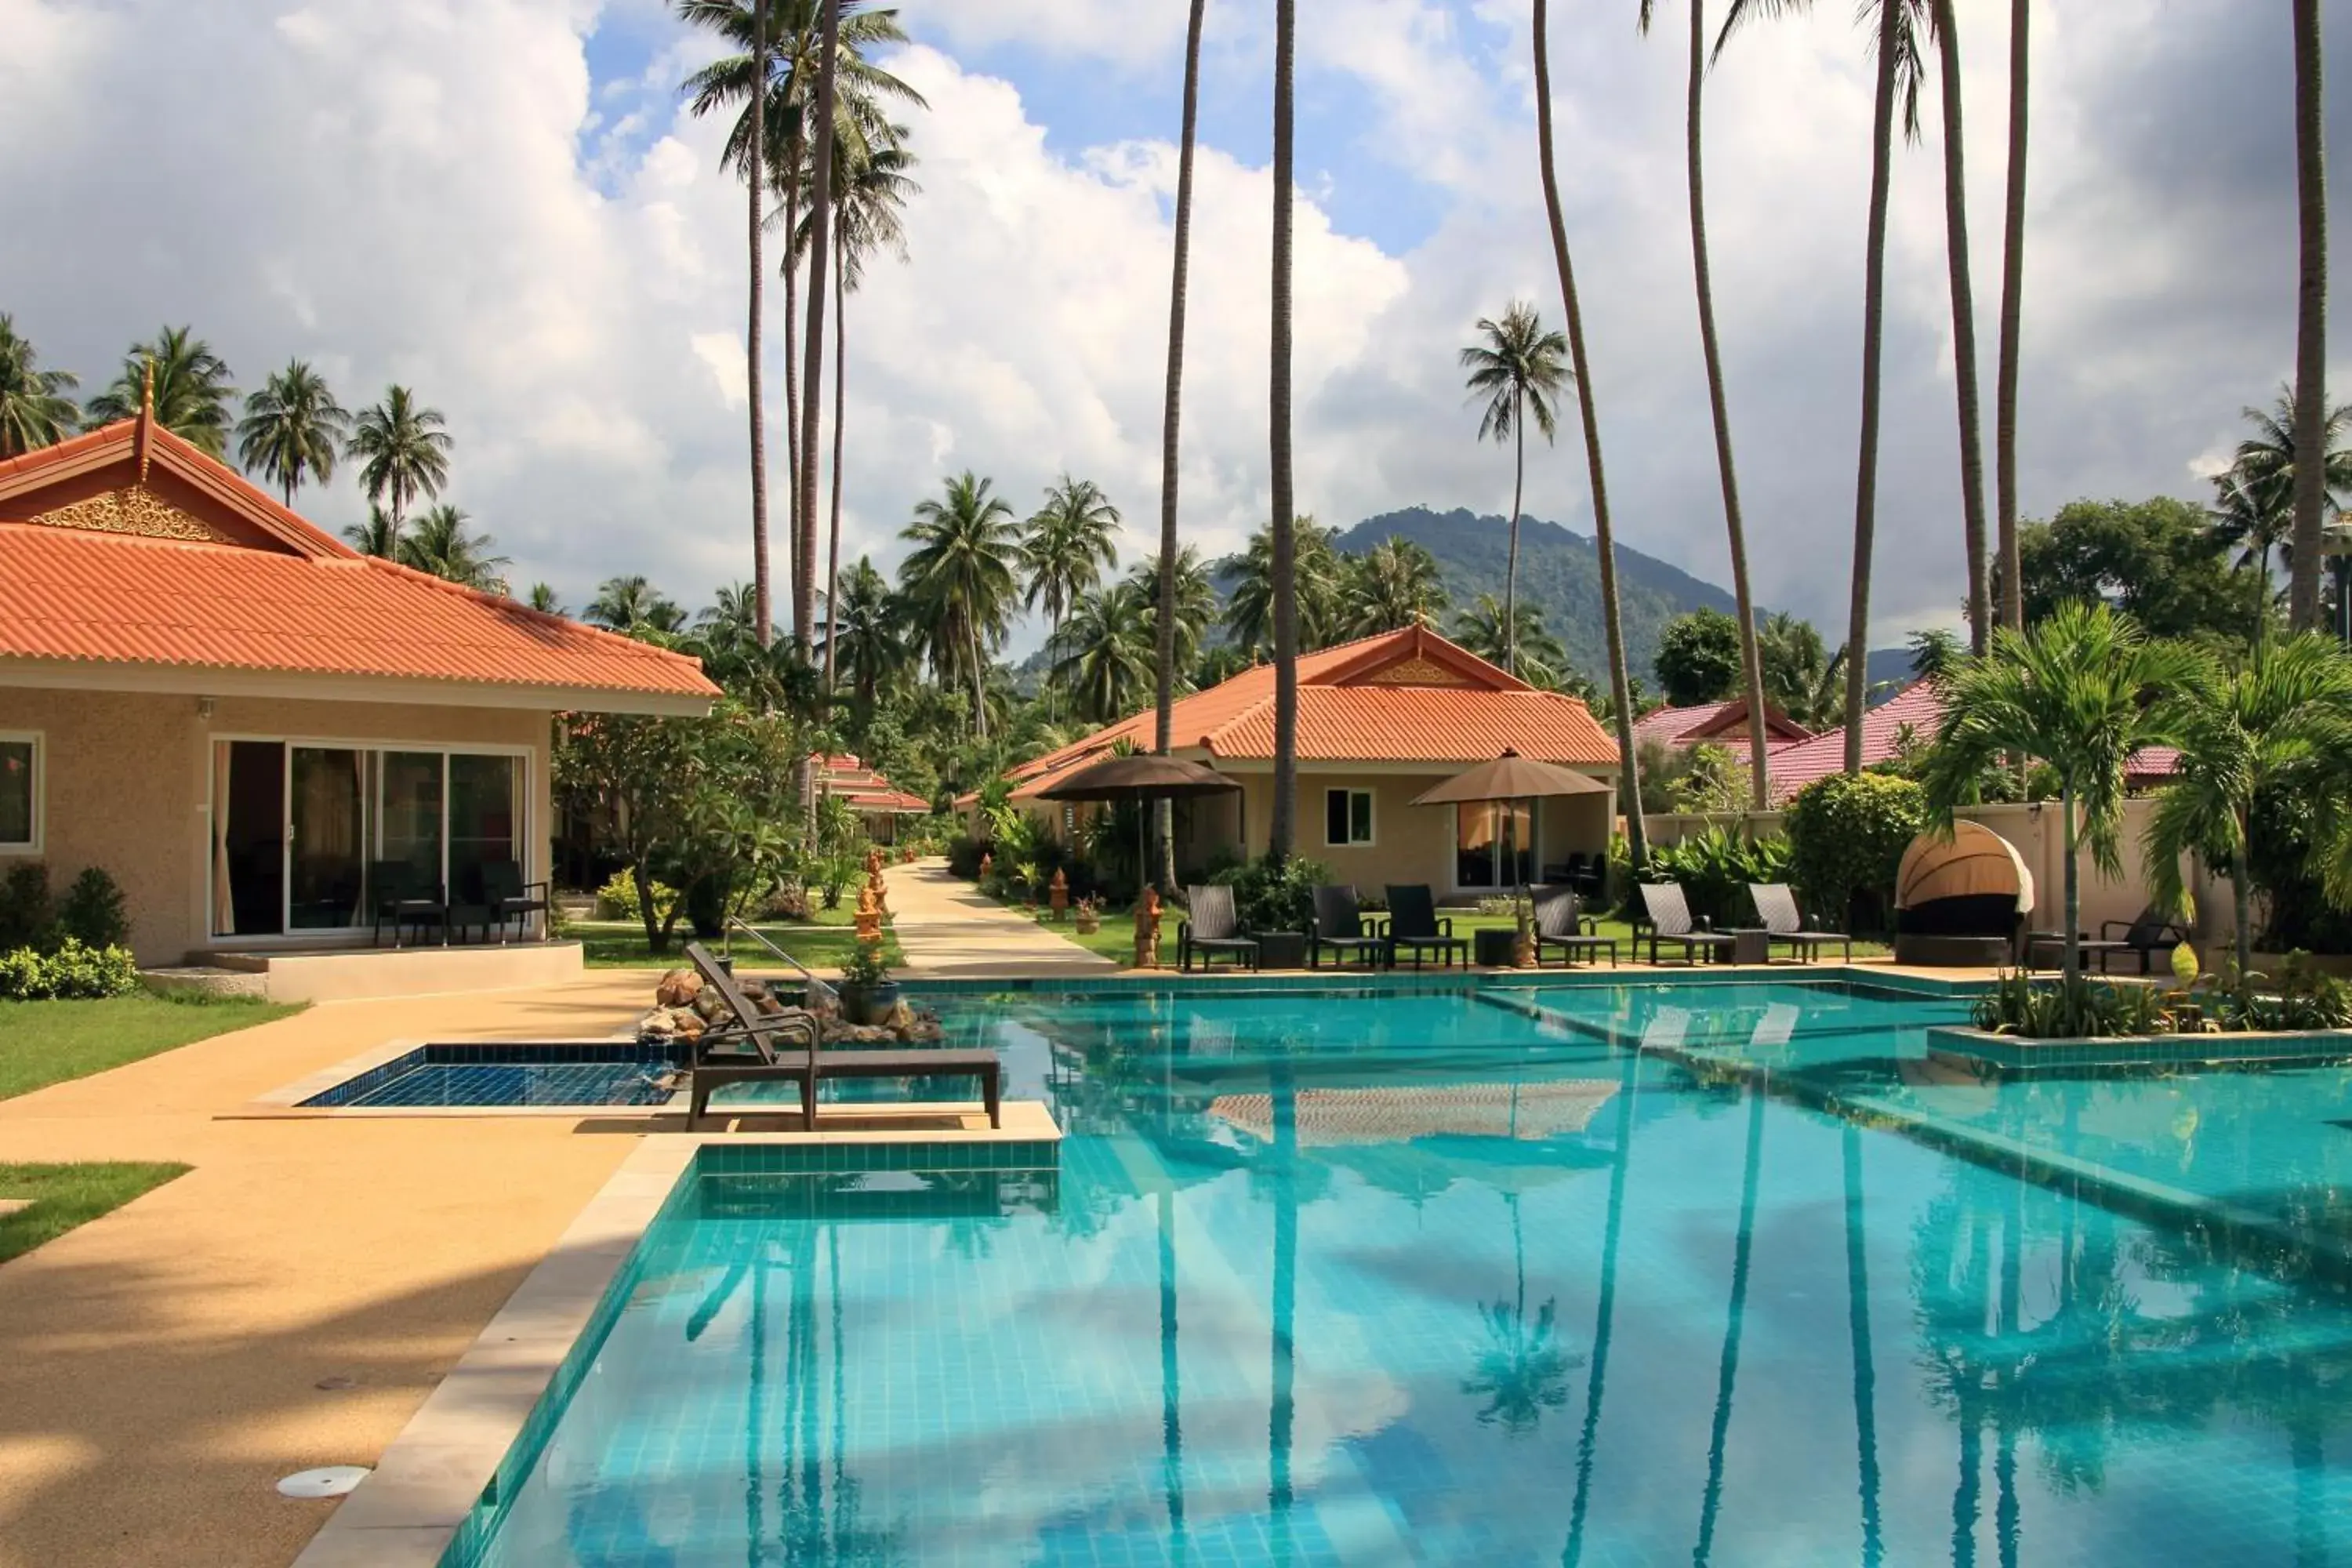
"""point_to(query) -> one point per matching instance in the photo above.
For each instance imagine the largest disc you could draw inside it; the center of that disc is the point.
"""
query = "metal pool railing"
(799, 968)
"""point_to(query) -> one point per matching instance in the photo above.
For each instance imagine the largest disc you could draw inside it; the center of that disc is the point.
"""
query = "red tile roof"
(1916, 706)
(844, 777)
(1712, 721)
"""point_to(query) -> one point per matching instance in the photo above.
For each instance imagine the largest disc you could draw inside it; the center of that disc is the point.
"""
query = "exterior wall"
(129, 785)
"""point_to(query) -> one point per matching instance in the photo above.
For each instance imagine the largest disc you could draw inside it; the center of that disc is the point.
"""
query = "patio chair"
(1670, 921)
(719, 1058)
(1338, 924)
(1414, 922)
(2149, 935)
(1776, 905)
(405, 895)
(1559, 924)
(1211, 927)
(507, 897)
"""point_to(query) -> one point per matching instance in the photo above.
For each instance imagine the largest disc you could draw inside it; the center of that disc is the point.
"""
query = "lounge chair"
(1414, 922)
(1776, 905)
(721, 1059)
(1559, 924)
(403, 897)
(1211, 927)
(507, 897)
(2149, 935)
(1670, 921)
(1338, 924)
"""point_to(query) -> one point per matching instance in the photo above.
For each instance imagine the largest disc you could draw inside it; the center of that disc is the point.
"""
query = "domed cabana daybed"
(1961, 901)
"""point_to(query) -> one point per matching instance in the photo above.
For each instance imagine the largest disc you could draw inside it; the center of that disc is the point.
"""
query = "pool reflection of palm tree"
(1280, 1410)
(1866, 1376)
(1523, 1372)
(1728, 1372)
(1605, 1309)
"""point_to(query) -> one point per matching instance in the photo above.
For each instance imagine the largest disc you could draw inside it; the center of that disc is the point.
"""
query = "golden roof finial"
(146, 416)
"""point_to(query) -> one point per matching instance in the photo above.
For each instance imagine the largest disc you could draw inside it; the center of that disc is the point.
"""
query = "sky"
(503, 205)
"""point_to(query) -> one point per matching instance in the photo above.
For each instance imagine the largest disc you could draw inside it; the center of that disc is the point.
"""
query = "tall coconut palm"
(1395, 584)
(1066, 546)
(959, 579)
(729, 623)
(1516, 371)
(2075, 693)
(865, 622)
(822, 179)
(292, 429)
(439, 543)
(1718, 398)
(36, 408)
(633, 604)
(1164, 678)
(1621, 691)
(2241, 727)
(192, 392)
(2267, 459)
(2311, 510)
(1282, 825)
(1315, 589)
(1102, 653)
(402, 450)
(1946, 30)
(2012, 318)
(1195, 596)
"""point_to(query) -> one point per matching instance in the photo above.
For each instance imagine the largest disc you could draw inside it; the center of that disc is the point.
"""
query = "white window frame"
(1371, 814)
(33, 848)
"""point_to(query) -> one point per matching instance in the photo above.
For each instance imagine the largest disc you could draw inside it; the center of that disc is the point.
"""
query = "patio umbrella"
(1145, 776)
(1507, 780)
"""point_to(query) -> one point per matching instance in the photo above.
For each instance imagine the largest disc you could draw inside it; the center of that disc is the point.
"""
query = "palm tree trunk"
(1874, 313)
(979, 679)
(1964, 329)
(840, 412)
(1604, 535)
(2074, 882)
(754, 182)
(2013, 307)
(1727, 1371)
(820, 253)
(1163, 734)
(792, 378)
(1751, 664)
(1866, 1373)
(2241, 894)
(1511, 563)
(2311, 325)
(1283, 827)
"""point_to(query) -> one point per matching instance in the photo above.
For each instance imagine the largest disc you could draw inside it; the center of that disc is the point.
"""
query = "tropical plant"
(1543, 661)
(2258, 519)
(438, 542)
(292, 430)
(36, 405)
(2264, 468)
(1846, 837)
(2311, 508)
(402, 450)
(2159, 561)
(1066, 546)
(1801, 678)
(191, 394)
(632, 605)
(1517, 373)
(375, 536)
(730, 621)
(863, 622)
(1283, 576)
(2012, 316)
(1315, 578)
(1699, 658)
(2076, 692)
(960, 578)
(1714, 868)
(1395, 584)
(1102, 653)
(1164, 676)
(1934, 652)
(1275, 893)
(1620, 697)
(1196, 602)
(542, 599)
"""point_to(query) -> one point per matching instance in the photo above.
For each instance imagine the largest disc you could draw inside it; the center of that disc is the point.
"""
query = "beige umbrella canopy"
(1510, 777)
(1974, 862)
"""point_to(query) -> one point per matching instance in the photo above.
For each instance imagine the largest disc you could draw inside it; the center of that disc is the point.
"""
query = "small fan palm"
(192, 390)
(292, 429)
(402, 450)
(440, 543)
(1395, 584)
(36, 407)
(1517, 370)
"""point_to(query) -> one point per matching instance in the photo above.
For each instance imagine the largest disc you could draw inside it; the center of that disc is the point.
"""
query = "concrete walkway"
(946, 929)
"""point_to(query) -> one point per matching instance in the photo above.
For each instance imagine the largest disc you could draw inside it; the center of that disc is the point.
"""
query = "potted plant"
(1088, 915)
(868, 994)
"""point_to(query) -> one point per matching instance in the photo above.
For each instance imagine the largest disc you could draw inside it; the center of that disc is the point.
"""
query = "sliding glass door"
(1494, 845)
(485, 817)
(326, 866)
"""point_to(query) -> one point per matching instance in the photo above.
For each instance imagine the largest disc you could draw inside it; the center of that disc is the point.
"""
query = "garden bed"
(2015, 1053)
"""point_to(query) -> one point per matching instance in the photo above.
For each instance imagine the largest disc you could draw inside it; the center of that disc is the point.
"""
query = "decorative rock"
(709, 1004)
(676, 988)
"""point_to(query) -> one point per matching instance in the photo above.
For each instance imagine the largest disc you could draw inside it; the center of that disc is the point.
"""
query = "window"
(1495, 845)
(1347, 816)
(20, 795)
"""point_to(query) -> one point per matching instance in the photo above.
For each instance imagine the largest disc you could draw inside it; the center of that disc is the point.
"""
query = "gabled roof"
(1918, 706)
(844, 776)
(1715, 720)
(129, 548)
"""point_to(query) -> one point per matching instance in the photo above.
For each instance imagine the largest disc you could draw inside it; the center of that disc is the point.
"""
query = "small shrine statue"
(1058, 894)
(1147, 930)
(987, 863)
(869, 913)
(874, 862)
(874, 882)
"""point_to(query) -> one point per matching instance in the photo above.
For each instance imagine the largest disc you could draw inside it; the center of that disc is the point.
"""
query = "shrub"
(1713, 868)
(617, 898)
(1270, 895)
(963, 856)
(93, 913)
(864, 966)
(1846, 838)
(73, 973)
(26, 915)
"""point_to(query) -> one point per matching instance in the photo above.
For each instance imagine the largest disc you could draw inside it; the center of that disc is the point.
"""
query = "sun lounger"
(1670, 921)
(1338, 924)
(1414, 922)
(1211, 927)
(1776, 905)
(1559, 923)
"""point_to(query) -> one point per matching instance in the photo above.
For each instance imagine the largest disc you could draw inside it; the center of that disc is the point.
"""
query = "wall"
(129, 786)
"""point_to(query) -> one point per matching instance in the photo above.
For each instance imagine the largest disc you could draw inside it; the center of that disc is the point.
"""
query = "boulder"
(708, 1003)
(676, 988)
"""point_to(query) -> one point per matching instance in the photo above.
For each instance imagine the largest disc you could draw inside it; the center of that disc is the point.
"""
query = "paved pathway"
(948, 929)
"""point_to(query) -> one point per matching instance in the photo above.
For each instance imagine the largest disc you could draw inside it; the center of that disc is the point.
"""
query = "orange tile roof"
(1916, 706)
(843, 774)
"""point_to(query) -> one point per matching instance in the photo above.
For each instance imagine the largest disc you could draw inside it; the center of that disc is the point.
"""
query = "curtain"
(224, 896)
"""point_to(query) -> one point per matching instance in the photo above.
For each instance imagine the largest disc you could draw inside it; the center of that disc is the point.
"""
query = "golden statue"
(869, 913)
(1147, 930)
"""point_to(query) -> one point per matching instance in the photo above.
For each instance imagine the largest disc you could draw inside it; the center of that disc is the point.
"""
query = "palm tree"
(2073, 691)
(2012, 311)
(1718, 399)
(1396, 583)
(542, 599)
(1543, 661)
(1315, 588)
(2240, 728)
(2257, 518)
(292, 429)
(36, 409)
(2265, 460)
(730, 621)
(402, 450)
(439, 544)
(1067, 544)
(634, 604)
(1196, 602)
(1103, 653)
(1621, 691)
(1516, 371)
(821, 177)
(1946, 27)
(1165, 679)
(1284, 816)
(377, 536)
(960, 578)
(1802, 678)
(2311, 507)
(865, 621)
(191, 394)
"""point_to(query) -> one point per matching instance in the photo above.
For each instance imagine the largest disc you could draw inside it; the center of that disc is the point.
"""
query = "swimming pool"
(1580, 1274)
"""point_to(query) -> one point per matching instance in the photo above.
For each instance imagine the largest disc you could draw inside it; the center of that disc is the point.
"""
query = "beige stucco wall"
(128, 784)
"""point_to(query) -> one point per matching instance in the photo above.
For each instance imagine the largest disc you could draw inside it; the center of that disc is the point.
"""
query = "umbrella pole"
(1142, 854)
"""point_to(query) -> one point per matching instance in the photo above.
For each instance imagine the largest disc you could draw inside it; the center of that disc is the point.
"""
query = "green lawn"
(66, 1195)
(621, 944)
(42, 1043)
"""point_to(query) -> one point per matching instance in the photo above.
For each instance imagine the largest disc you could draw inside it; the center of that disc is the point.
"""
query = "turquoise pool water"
(1468, 1275)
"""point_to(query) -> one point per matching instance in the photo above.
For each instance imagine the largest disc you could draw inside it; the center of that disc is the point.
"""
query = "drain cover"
(334, 1481)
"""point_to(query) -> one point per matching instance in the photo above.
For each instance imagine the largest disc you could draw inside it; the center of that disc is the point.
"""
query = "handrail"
(736, 923)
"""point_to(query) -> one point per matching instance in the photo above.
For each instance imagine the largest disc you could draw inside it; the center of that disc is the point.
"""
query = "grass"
(66, 1195)
(621, 944)
(42, 1043)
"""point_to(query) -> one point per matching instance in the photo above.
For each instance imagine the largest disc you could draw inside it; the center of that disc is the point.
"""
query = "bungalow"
(1716, 723)
(1380, 720)
(878, 802)
(239, 718)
